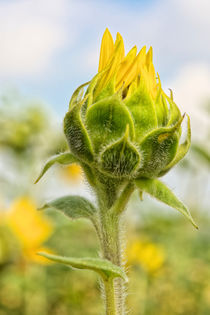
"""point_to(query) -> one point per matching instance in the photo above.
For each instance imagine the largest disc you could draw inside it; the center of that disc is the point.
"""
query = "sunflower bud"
(124, 125)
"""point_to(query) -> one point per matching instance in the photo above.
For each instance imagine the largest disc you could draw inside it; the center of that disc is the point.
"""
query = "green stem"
(110, 297)
(112, 250)
(122, 201)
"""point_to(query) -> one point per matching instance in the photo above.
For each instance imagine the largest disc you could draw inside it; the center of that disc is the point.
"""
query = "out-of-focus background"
(47, 49)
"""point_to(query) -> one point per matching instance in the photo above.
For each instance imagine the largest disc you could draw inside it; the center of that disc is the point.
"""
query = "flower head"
(125, 125)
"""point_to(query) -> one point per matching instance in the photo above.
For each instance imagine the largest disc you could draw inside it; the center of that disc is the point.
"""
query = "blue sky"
(48, 47)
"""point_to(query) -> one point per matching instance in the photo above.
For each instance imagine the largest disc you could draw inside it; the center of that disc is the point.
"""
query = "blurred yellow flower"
(149, 255)
(30, 228)
(72, 173)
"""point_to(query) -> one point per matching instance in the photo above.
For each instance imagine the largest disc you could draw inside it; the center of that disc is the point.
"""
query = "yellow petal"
(136, 66)
(107, 49)
(141, 60)
(124, 66)
(149, 57)
(118, 40)
(113, 65)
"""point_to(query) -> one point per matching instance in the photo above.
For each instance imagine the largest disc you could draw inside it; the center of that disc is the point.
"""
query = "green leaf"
(74, 207)
(63, 159)
(181, 152)
(120, 158)
(77, 135)
(162, 193)
(102, 266)
(106, 121)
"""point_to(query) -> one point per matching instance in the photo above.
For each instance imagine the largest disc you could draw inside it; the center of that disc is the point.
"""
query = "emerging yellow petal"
(118, 40)
(107, 49)
(121, 72)
(135, 68)
(125, 66)
(113, 64)
(149, 57)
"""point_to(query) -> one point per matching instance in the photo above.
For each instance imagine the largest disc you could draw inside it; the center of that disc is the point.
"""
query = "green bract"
(125, 137)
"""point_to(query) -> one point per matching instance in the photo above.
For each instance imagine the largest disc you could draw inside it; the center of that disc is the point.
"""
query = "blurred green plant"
(21, 122)
(24, 127)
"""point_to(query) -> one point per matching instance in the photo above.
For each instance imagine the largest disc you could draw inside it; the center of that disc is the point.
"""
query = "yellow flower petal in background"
(29, 226)
(72, 173)
(149, 255)
(32, 256)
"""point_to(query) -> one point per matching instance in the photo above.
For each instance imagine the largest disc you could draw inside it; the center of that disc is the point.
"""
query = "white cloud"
(191, 92)
(31, 33)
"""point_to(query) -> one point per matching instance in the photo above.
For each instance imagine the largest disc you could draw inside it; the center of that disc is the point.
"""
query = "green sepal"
(142, 108)
(161, 192)
(106, 121)
(74, 207)
(77, 95)
(63, 159)
(108, 91)
(181, 152)
(90, 176)
(103, 267)
(174, 112)
(158, 149)
(121, 158)
(162, 111)
(91, 90)
(77, 135)
(92, 87)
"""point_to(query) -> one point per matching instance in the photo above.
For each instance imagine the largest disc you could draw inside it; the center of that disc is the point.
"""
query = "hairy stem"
(111, 250)
(111, 244)
(110, 297)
